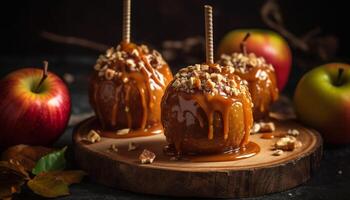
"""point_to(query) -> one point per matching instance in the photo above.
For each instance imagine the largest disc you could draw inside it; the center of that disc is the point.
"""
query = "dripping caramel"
(129, 96)
(211, 117)
(260, 77)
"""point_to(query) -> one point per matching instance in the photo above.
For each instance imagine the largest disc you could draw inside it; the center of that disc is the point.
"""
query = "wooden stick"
(126, 20)
(209, 44)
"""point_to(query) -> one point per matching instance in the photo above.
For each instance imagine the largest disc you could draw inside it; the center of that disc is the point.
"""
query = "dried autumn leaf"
(12, 177)
(26, 155)
(51, 162)
(47, 185)
(69, 177)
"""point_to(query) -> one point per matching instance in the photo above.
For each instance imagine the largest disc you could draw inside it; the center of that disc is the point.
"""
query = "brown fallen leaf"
(69, 176)
(55, 183)
(26, 155)
(48, 186)
(12, 177)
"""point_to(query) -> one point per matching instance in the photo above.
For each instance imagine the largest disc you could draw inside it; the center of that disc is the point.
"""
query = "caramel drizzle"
(211, 104)
(143, 85)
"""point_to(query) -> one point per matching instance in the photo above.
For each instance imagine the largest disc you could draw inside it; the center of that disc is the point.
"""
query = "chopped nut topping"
(212, 79)
(288, 143)
(123, 131)
(132, 146)
(242, 62)
(109, 74)
(147, 157)
(114, 58)
(93, 136)
(277, 152)
(127, 109)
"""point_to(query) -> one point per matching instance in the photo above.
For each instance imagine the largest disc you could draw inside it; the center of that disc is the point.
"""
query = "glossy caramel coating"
(127, 86)
(206, 109)
(261, 79)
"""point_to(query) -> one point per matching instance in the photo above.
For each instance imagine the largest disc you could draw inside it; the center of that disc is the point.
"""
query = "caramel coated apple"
(206, 109)
(261, 79)
(127, 86)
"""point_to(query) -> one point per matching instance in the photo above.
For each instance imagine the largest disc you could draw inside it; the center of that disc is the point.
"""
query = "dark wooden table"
(331, 181)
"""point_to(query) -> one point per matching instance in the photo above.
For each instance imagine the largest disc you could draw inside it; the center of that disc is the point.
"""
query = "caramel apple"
(128, 84)
(127, 87)
(259, 75)
(206, 109)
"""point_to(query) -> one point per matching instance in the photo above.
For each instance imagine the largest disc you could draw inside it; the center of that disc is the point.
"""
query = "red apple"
(265, 43)
(322, 101)
(34, 109)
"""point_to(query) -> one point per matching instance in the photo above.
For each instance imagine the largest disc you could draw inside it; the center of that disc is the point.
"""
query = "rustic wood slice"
(258, 175)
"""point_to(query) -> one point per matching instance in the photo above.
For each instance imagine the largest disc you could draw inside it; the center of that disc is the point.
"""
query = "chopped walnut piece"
(277, 152)
(255, 128)
(267, 127)
(113, 148)
(288, 143)
(293, 132)
(123, 131)
(263, 127)
(93, 136)
(132, 146)
(109, 74)
(147, 157)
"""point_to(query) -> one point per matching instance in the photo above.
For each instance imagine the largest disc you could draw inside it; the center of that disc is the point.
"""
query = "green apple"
(322, 101)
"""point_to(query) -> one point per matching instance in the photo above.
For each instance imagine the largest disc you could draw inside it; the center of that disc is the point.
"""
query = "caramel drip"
(146, 81)
(248, 119)
(127, 102)
(211, 104)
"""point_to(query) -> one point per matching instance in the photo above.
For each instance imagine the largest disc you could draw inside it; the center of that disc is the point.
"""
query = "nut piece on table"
(93, 136)
(277, 152)
(263, 127)
(132, 146)
(287, 143)
(293, 132)
(123, 131)
(147, 157)
(113, 148)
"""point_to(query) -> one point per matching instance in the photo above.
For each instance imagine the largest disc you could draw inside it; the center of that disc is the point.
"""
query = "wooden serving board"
(258, 175)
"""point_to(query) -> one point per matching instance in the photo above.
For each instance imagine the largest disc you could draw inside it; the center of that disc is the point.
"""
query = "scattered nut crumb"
(255, 128)
(147, 157)
(93, 136)
(263, 127)
(123, 131)
(114, 148)
(132, 146)
(293, 132)
(267, 127)
(277, 152)
(288, 143)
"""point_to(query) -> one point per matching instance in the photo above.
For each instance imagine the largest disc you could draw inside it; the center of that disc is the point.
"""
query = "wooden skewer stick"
(209, 45)
(126, 20)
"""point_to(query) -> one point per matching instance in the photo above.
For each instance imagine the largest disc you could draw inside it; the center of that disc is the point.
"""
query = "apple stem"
(244, 44)
(44, 76)
(339, 77)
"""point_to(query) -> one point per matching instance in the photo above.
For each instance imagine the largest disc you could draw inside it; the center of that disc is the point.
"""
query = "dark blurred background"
(160, 23)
